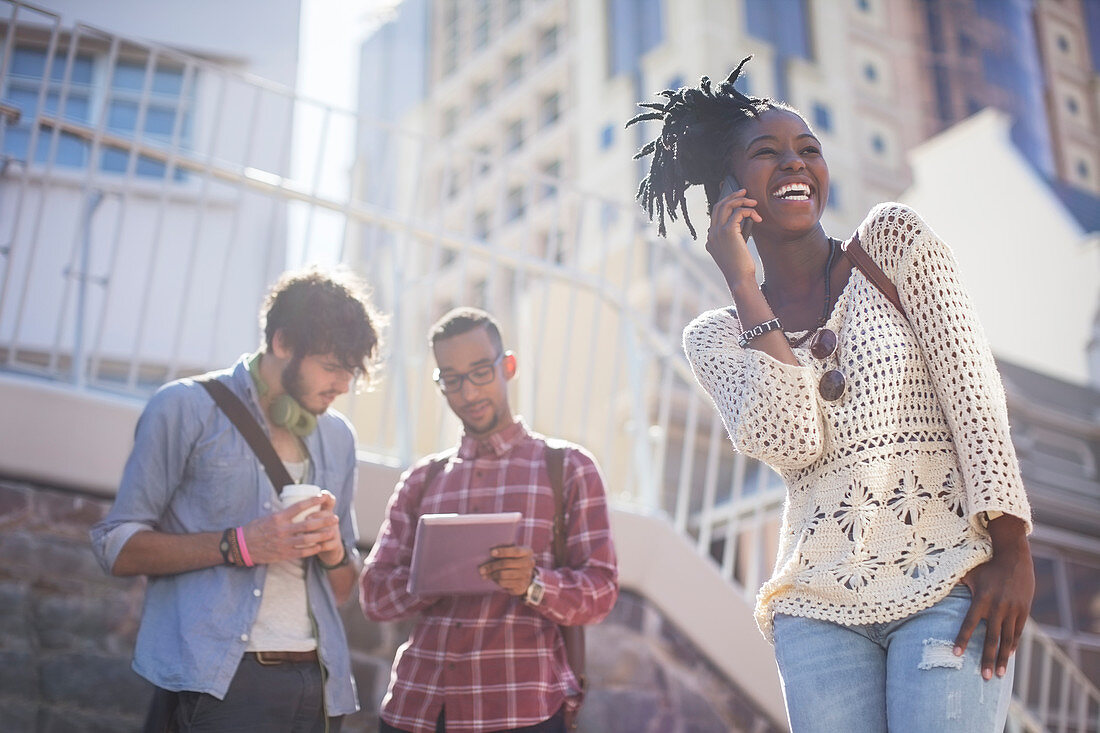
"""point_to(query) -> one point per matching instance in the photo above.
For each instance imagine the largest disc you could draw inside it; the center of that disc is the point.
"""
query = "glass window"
(163, 105)
(513, 9)
(966, 44)
(942, 81)
(548, 42)
(513, 70)
(514, 205)
(1044, 607)
(1082, 169)
(1092, 29)
(996, 10)
(551, 170)
(481, 225)
(1090, 662)
(634, 27)
(834, 195)
(784, 24)
(483, 94)
(823, 118)
(483, 159)
(549, 109)
(513, 136)
(934, 24)
(1073, 106)
(607, 136)
(878, 144)
(482, 24)
(451, 40)
(72, 102)
(870, 72)
(449, 121)
(454, 184)
(1085, 578)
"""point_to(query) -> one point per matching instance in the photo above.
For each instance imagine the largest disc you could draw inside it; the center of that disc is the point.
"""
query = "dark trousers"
(554, 724)
(265, 698)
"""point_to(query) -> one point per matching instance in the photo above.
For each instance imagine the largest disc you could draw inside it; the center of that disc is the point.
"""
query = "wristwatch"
(533, 595)
(989, 515)
(224, 546)
(339, 564)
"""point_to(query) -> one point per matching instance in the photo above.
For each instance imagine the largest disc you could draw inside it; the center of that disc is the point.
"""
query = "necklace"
(794, 343)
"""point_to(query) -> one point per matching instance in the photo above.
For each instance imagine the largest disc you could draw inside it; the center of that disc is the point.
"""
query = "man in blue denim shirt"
(240, 616)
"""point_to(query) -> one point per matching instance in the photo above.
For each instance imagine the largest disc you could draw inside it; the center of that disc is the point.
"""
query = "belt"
(282, 657)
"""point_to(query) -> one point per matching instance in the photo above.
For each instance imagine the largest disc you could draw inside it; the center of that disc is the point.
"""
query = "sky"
(330, 34)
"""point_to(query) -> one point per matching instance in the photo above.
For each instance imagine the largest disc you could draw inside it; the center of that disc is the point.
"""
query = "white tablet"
(448, 549)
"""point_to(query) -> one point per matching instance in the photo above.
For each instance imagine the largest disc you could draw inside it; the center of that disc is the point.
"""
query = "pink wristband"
(244, 549)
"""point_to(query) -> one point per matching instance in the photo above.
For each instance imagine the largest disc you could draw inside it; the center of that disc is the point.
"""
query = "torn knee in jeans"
(939, 653)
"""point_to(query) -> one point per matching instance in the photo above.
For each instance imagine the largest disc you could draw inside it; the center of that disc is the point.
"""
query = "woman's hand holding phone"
(731, 222)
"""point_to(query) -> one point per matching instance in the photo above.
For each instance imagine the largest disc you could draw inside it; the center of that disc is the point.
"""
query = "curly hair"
(324, 313)
(699, 130)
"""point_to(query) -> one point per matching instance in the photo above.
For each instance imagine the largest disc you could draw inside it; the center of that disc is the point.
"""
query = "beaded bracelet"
(757, 331)
(234, 548)
(243, 548)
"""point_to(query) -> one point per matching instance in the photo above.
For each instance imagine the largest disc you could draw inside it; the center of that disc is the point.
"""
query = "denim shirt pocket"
(222, 488)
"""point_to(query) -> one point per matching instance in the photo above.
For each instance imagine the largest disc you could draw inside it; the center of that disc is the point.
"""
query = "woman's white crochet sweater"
(884, 486)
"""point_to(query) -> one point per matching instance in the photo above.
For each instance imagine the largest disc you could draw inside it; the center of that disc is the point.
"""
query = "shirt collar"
(498, 444)
(241, 381)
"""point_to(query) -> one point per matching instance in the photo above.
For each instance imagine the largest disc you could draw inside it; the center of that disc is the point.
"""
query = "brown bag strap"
(870, 269)
(254, 435)
(435, 467)
(572, 636)
(555, 465)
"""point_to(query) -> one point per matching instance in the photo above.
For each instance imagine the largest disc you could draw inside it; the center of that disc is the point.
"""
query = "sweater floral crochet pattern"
(886, 485)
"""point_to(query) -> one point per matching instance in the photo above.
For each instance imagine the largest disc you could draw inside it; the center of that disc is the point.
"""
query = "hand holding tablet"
(449, 549)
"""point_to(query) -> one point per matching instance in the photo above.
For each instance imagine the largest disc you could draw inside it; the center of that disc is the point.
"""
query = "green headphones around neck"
(284, 411)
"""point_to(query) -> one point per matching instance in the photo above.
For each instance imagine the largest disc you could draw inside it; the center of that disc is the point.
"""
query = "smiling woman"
(906, 518)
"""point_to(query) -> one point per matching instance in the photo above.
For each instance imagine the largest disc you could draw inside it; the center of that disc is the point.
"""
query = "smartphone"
(729, 185)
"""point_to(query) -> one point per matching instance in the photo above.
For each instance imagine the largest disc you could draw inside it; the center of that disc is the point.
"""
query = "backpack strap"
(872, 271)
(257, 439)
(555, 466)
(435, 467)
(572, 636)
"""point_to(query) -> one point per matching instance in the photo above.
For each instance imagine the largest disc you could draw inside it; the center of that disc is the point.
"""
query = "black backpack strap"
(253, 434)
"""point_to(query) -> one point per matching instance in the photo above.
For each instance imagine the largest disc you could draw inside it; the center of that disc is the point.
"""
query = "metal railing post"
(79, 358)
(644, 480)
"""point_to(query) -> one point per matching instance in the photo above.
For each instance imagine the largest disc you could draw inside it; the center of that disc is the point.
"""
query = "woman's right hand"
(730, 221)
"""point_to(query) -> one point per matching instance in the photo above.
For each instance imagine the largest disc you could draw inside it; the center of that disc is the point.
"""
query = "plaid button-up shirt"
(493, 661)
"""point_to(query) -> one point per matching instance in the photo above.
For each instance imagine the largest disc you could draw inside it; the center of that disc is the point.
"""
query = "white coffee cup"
(293, 493)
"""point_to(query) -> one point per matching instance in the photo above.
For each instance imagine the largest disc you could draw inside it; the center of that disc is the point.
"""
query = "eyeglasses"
(482, 375)
(832, 383)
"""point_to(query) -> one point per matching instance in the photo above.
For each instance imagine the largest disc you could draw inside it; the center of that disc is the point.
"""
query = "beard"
(293, 383)
(489, 424)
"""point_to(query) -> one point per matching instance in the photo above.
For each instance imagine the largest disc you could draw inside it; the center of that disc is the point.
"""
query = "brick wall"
(67, 631)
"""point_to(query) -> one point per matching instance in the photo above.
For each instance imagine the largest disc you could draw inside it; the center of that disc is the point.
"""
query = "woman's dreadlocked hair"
(695, 144)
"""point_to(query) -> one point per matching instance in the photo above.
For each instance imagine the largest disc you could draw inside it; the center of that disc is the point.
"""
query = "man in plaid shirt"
(493, 662)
